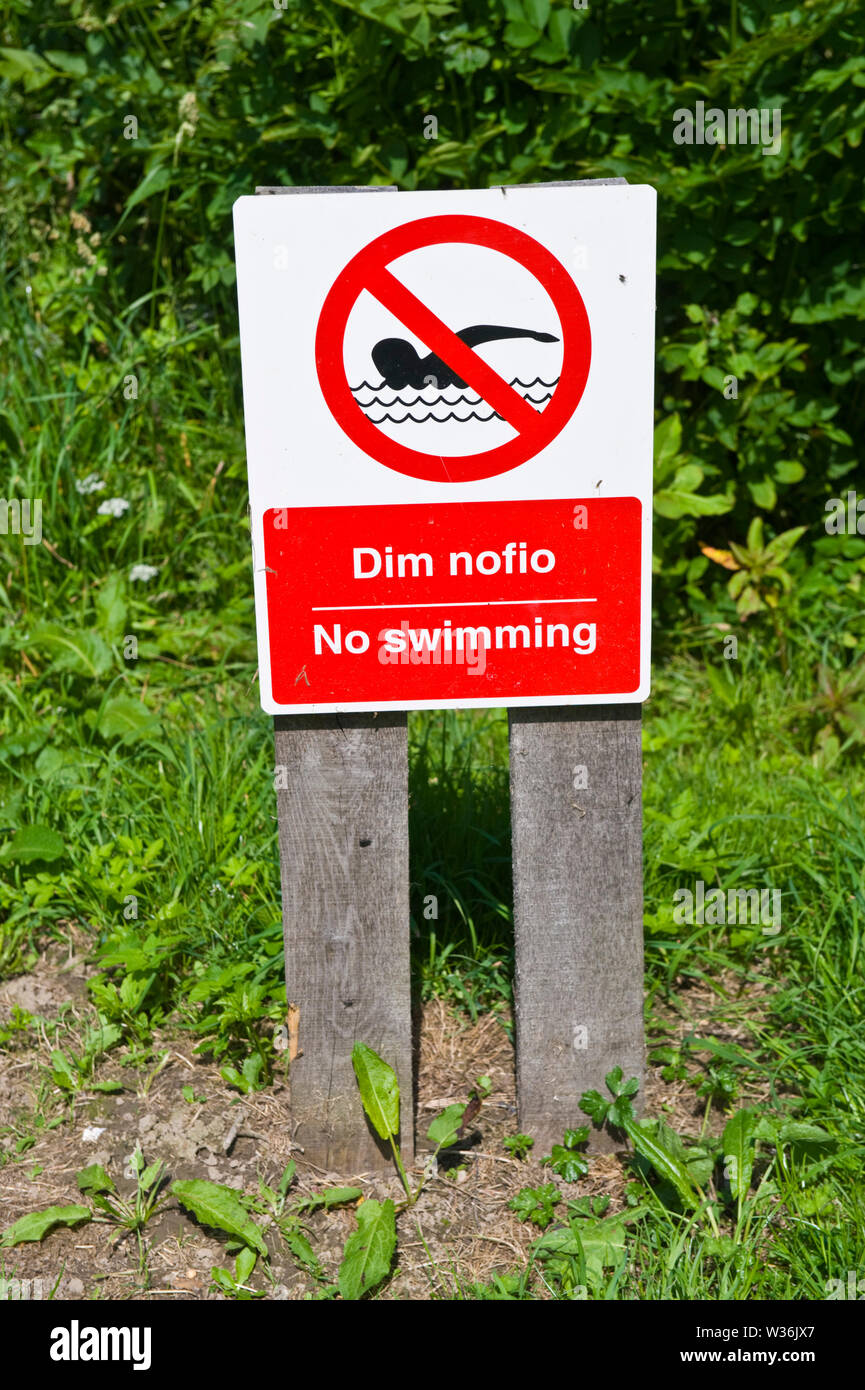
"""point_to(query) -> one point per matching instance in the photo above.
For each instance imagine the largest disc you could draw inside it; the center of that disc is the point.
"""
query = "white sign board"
(448, 402)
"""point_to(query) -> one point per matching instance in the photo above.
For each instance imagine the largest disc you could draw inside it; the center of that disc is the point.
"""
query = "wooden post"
(578, 909)
(343, 854)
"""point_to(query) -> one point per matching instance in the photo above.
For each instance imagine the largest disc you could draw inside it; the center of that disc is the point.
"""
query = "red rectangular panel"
(454, 601)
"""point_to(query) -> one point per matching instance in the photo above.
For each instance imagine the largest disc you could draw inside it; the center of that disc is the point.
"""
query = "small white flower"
(113, 506)
(92, 483)
(143, 572)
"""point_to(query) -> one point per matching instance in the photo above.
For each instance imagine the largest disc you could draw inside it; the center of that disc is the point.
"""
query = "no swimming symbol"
(451, 359)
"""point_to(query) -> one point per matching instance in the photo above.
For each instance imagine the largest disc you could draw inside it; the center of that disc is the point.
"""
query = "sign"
(448, 401)
(453, 354)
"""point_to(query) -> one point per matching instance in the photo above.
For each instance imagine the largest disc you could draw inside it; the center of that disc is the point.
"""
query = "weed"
(519, 1145)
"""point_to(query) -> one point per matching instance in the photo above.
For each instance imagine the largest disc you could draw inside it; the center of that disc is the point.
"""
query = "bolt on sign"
(448, 402)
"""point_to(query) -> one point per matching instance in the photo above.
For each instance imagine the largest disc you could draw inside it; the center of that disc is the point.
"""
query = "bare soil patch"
(459, 1233)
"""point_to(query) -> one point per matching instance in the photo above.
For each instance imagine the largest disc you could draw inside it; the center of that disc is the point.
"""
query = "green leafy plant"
(519, 1145)
(368, 1252)
(16, 1028)
(836, 712)
(719, 1085)
(234, 1285)
(576, 1257)
(214, 1204)
(616, 1112)
(74, 1074)
(536, 1204)
(566, 1160)
(379, 1093)
(36, 1224)
(760, 580)
(131, 1214)
(286, 1213)
(655, 1144)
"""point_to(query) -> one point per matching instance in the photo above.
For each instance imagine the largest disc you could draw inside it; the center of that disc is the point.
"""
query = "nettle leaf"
(379, 1090)
(38, 1223)
(443, 1130)
(219, 1206)
(33, 842)
(369, 1250)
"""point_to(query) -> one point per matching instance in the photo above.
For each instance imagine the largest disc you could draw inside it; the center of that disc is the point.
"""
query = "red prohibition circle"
(368, 270)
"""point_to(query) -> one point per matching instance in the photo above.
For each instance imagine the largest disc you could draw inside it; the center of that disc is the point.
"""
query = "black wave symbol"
(538, 381)
(442, 419)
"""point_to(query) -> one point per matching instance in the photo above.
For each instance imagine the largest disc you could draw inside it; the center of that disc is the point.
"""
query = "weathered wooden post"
(343, 854)
(577, 829)
(471, 529)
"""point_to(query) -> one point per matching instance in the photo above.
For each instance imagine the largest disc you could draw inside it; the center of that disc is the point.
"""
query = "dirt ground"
(460, 1232)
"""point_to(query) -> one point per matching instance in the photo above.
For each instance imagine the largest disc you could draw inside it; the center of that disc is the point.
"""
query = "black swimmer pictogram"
(401, 365)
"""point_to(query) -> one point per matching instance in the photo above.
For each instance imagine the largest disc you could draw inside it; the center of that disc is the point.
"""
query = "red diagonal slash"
(414, 315)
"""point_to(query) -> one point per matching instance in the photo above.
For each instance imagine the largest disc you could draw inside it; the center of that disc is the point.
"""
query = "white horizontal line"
(478, 603)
